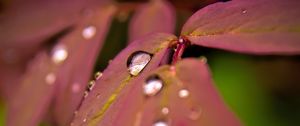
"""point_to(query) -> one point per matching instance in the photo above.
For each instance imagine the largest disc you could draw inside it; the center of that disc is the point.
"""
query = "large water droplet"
(183, 93)
(160, 123)
(50, 78)
(153, 85)
(89, 32)
(59, 53)
(137, 62)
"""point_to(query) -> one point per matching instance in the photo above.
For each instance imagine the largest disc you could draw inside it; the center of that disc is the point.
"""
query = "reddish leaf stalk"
(181, 44)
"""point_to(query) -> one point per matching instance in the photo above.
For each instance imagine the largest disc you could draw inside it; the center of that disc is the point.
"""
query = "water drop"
(137, 62)
(50, 78)
(165, 110)
(59, 54)
(195, 113)
(152, 86)
(173, 70)
(181, 40)
(91, 85)
(84, 120)
(203, 59)
(98, 75)
(183, 93)
(76, 87)
(89, 32)
(244, 11)
(86, 93)
(160, 123)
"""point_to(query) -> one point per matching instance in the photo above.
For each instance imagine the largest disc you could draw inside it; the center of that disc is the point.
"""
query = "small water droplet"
(160, 123)
(181, 40)
(91, 85)
(98, 75)
(98, 95)
(153, 85)
(89, 32)
(195, 113)
(86, 93)
(59, 54)
(203, 59)
(165, 110)
(76, 112)
(84, 120)
(75, 87)
(50, 78)
(244, 11)
(137, 62)
(183, 93)
(173, 70)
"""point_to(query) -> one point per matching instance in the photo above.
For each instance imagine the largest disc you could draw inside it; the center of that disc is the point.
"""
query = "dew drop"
(165, 110)
(160, 123)
(173, 70)
(181, 40)
(203, 59)
(137, 62)
(86, 93)
(50, 78)
(244, 11)
(91, 85)
(76, 112)
(195, 113)
(89, 32)
(84, 120)
(59, 54)
(98, 75)
(76, 87)
(152, 86)
(183, 93)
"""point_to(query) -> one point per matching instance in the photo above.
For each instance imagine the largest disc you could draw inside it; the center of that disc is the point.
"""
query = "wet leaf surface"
(74, 75)
(155, 16)
(187, 98)
(254, 27)
(116, 80)
(70, 63)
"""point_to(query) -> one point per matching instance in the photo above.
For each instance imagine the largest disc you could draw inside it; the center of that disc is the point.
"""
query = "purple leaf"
(32, 98)
(26, 26)
(187, 98)
(116, 80)
(74, 75)
(155, 16)
(51, 78)
(254, 27)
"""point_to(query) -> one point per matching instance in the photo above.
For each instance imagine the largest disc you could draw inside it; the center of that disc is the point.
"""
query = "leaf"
(32, 100)
(73, 77)
(260, 27)
(155, 16)
(27, 26)
(116, 79)
(203, 105)
(33, 97)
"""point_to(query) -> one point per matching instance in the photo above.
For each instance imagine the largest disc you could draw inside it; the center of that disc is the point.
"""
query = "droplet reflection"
(59, 54)
(89, 32)
(152, 86)
(137, 62)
